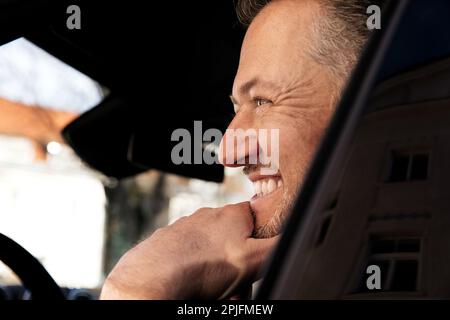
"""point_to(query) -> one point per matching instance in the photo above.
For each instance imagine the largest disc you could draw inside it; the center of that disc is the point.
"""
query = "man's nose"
(239, 145)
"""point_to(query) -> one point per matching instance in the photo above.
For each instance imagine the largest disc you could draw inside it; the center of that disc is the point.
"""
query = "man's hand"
(208, 255)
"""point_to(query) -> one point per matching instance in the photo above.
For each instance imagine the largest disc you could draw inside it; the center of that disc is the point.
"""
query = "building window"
(399, 262)
(408, 166)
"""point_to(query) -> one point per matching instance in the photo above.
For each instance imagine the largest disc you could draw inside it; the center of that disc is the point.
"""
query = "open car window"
(74, 219)
(46, 192)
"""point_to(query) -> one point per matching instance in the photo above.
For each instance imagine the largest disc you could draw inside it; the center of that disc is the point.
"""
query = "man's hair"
(338, 36)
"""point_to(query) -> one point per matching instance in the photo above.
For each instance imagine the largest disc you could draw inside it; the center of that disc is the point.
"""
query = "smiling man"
(295, 60)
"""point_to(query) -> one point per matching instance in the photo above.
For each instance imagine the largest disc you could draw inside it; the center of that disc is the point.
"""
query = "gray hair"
(338, 36)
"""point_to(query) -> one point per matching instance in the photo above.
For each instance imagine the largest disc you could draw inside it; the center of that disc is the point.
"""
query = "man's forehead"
(286, 16)
(273, 46)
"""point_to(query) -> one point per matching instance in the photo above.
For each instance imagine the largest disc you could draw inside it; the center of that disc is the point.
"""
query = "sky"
(30, 75)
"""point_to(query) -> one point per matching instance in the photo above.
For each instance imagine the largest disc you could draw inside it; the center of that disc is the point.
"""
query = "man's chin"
(269, 230)
(268, 213)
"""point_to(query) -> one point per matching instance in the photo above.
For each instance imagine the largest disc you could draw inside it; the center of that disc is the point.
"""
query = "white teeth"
(257, 187)
(264, 187)
(271, 185)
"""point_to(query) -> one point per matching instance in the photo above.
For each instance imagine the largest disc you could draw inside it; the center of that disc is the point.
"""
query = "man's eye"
(261, 101)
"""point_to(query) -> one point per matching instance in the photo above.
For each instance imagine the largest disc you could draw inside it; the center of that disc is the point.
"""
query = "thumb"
(258, 251)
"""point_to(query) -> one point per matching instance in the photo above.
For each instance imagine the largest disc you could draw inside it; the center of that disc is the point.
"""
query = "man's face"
(278, 86)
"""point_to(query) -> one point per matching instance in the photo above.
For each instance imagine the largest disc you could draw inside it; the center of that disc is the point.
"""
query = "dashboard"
(18, 292)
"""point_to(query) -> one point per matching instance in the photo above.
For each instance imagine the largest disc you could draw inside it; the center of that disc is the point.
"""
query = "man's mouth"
(268, 195)
(265, 186)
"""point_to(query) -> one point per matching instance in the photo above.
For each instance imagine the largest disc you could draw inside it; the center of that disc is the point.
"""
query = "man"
(295, 60)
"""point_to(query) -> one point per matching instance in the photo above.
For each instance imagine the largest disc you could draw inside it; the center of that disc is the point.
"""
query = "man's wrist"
(114, 289)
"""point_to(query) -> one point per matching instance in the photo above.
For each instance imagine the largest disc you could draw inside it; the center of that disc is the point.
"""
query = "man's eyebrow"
(247, 86)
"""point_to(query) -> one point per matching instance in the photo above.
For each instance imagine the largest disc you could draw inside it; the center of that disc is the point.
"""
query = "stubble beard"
(274, 226)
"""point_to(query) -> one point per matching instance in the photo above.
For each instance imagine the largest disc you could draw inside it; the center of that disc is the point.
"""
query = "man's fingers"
(258, 251)
(242, 207)
(242, 216)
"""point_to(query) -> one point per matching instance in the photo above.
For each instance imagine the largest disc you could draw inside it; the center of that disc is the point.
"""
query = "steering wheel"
(29, 270)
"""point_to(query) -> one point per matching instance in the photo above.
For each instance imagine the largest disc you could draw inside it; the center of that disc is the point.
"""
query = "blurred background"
(75, 220)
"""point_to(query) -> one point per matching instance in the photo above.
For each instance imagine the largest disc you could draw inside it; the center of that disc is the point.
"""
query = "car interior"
(376, 194)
